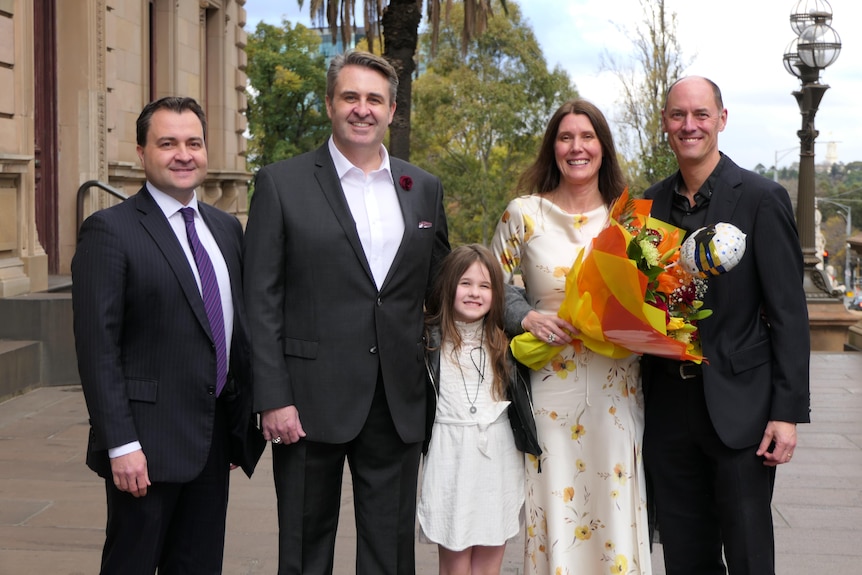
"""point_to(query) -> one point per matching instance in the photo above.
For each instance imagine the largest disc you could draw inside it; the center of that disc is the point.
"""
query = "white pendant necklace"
(480, 369)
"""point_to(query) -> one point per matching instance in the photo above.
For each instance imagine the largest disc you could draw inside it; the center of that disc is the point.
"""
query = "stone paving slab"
(52, 509)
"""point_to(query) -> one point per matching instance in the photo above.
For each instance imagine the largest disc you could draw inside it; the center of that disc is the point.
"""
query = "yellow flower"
(614, 494)
(621, 565)
(620, 473)
(579, 220)
(577, 431)
(509, 261)
(583, 533)
(568, 494)
(561, 271)
(562, 367)
(531, 530)
(553, 415)
(581, 465)
(612, 410)
(533, 460)
(529, 226)
(609, 545)
(675, 323)
(559, 571)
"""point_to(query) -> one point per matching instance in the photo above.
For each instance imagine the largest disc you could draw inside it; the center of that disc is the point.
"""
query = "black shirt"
(683, 214)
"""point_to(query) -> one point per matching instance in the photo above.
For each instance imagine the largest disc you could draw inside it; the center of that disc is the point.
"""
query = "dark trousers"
(308, 485)
(178, 528)
(708, 497)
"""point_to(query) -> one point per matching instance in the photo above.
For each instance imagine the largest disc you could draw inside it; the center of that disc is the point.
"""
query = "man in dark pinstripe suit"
(167, 423)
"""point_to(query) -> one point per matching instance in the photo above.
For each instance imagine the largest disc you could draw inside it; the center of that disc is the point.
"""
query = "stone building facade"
(74, 75)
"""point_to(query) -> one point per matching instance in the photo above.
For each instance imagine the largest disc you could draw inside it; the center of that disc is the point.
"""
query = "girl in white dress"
(586, 511)
(473, 483)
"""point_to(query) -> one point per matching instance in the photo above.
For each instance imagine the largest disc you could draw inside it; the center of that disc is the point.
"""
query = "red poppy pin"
(406, 183)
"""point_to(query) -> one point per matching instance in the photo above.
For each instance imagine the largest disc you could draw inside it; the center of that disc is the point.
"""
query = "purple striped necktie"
(211, 297)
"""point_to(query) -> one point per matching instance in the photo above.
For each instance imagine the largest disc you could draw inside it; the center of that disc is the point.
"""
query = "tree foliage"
(399, 22)
(657, 62)
(478, 119)
(286, 110)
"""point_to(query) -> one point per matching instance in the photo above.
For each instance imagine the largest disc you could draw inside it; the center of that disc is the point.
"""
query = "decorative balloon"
(712, 250)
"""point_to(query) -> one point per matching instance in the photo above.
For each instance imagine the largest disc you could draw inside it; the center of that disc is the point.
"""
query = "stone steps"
(19, 366)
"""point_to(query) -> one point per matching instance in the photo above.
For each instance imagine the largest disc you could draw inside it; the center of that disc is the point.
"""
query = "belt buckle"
(682, 371)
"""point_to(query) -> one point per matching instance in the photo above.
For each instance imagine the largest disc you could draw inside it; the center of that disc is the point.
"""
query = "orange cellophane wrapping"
(604, 299)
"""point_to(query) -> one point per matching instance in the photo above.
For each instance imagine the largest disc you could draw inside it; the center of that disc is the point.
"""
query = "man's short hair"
(365, 60)
(178, 104)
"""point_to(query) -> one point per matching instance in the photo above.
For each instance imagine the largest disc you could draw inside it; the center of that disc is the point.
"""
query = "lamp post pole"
(816, 47)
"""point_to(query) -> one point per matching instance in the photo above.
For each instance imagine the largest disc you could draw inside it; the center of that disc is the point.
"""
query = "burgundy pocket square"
(423, 225)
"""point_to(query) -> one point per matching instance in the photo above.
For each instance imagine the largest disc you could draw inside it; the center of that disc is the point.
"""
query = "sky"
(739, 44)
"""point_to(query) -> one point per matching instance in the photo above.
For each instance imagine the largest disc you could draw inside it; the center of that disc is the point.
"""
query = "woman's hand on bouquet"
(549, 328)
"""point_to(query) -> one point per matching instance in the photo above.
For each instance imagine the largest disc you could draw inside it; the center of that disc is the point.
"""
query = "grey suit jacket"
(320, 328)
(144, 347)
(757, 340)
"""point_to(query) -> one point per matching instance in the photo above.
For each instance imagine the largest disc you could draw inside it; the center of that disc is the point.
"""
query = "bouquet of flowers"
(628, 293)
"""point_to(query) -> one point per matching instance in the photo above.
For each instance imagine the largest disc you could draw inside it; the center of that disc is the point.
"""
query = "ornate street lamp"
(816, 46)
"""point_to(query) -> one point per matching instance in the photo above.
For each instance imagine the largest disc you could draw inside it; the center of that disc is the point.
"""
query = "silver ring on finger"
(276, 440)
(552, 338)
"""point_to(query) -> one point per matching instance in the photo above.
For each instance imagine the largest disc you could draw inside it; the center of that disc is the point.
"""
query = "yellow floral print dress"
(586, 510)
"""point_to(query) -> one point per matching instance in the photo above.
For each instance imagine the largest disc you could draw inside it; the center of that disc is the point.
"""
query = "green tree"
(657, 62)
(399, 22)
(478, 118)
(286, 110)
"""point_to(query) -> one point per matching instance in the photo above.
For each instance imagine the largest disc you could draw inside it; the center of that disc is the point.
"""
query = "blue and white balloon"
(712, 250)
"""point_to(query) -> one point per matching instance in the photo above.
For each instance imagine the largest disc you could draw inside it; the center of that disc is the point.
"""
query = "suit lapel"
(225, 239)
(725, 196)
(154, 222)
(408, 202)
(330, 186)
(226, 246)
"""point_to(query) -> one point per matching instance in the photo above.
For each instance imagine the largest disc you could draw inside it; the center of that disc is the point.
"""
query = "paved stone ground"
(52, 509)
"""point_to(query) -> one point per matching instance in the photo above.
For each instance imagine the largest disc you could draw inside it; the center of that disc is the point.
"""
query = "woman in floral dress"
(586, 507)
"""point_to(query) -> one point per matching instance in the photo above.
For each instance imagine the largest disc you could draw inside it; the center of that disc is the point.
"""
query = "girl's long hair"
(441, 304)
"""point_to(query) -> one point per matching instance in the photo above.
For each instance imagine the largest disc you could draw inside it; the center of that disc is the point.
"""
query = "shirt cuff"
(124, 449)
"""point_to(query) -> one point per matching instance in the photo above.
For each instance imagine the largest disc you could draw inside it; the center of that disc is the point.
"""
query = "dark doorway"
(45, 115)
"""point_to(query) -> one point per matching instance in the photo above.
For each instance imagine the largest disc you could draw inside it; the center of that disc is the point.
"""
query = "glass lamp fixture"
(808, 12)
(791, 59)
(818, 46)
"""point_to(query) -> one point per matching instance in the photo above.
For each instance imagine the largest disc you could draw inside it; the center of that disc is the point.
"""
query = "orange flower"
(667, 282)
(577, 431)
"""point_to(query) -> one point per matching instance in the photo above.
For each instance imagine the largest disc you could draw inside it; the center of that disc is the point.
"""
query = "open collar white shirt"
(376, 210)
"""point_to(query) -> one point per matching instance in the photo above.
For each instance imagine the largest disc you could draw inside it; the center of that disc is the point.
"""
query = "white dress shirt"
(375, 208)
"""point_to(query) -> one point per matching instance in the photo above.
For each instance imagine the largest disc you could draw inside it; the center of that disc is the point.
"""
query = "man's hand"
(549, 328)
(130, 473)
(783, 435)
(282, 425)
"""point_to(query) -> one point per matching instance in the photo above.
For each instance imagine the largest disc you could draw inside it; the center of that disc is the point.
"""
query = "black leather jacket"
(518, 391)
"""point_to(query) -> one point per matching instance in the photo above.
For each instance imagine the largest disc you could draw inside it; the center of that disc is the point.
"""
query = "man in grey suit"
(162, 346)
(341, 248)
(716, 432)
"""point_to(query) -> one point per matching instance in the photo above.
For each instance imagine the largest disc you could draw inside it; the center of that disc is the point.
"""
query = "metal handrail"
(94, 184)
